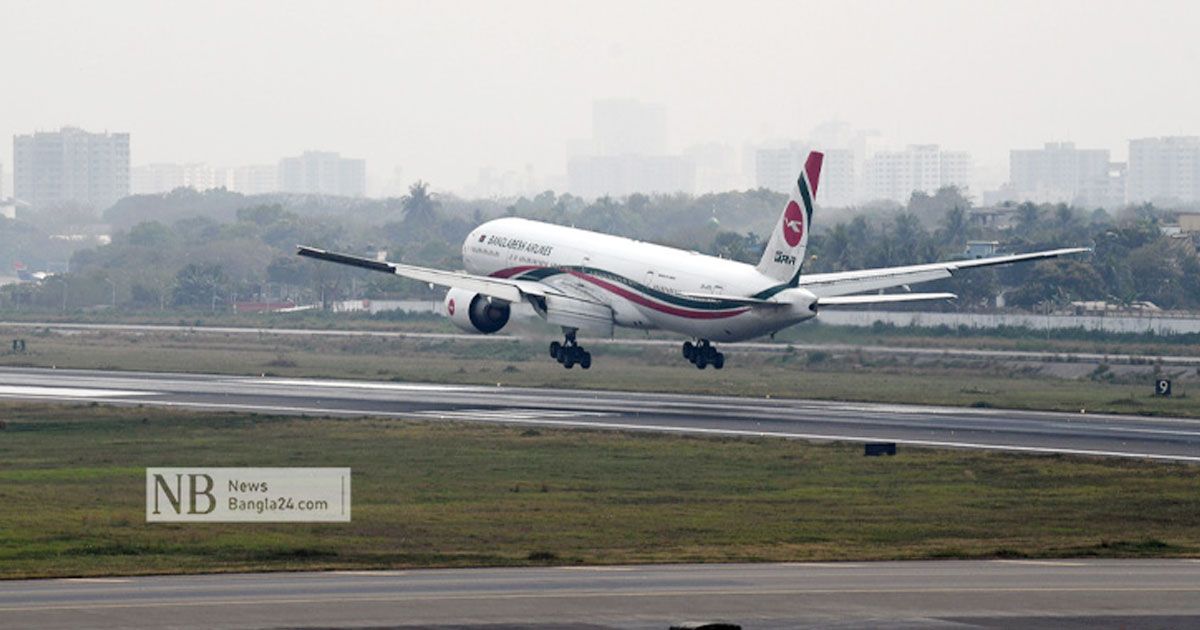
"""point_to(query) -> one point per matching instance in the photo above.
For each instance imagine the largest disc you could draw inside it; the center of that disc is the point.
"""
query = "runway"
(1172, 439)
(940, 594)
(748, 346)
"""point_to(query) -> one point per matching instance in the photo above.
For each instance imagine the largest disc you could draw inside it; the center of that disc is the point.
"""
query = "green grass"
(434, 495)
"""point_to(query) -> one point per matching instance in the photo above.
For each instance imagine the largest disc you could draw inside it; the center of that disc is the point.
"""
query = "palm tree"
(420, 208)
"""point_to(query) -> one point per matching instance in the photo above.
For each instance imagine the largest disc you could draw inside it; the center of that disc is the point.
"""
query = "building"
(152, 179)
(1165, 169)
(1057, 173)
(717, 167)
(71, 166)
(627, 153)
(981, 249)
(993, 217)
(628, 127)
(1, 180)
(323, 173)
(255, 179)
(592, 176)
(1189, 222)
(777, 169)
(896, 175)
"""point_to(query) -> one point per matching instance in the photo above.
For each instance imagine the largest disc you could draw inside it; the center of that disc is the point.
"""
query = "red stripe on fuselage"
(512, 271)
(662, 308)
(627, 294)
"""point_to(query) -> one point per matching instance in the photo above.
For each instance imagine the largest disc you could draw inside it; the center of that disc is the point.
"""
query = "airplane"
(592, 282)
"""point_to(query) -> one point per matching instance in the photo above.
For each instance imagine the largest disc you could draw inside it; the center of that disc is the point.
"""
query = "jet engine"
(475, 313)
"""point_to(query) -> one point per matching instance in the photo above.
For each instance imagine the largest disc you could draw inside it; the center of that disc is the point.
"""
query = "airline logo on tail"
(785, 251)
(793, 224)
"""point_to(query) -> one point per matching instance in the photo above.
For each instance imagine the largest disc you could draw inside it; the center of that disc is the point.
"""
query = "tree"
(196, 285)
(420, 208)
(955, 227)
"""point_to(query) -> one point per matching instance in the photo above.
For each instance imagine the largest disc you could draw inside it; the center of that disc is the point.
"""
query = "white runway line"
(407, 387)
(29, 391)
(506, 414)
(1043, 563)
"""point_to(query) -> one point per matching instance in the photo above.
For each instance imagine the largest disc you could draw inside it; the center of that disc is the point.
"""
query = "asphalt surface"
(1175, 439)
(944, 594)
(750, 346)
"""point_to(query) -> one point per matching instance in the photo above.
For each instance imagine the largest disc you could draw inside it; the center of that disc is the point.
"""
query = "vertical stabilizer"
(785, 251)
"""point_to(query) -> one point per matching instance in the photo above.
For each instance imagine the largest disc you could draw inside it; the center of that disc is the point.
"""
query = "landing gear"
(703, 354)
(569, 353)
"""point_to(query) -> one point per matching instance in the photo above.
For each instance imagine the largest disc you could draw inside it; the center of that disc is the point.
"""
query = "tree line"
(190, 250)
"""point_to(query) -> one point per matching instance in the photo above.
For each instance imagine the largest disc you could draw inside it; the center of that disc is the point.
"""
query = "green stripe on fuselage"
(669, 298)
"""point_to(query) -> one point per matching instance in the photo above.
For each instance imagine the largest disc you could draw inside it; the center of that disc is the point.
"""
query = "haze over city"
(442, 90)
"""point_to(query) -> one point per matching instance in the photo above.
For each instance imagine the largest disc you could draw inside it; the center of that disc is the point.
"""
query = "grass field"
(432, 494)
(797, 374)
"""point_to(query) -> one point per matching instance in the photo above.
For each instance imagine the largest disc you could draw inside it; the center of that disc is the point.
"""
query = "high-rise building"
(619, 175)
(896, 175)
(777, 169)
(1165, 169)
(151, 179)
(716, 165)
(256, 179)
(71, 165)
(628, 127)
(324, 173)
(1057, 173)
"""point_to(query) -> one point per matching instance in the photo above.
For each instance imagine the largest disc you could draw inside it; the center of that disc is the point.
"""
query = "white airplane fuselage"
(644, 284)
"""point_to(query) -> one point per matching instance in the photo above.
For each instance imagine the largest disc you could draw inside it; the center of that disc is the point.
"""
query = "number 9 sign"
(1162, 387)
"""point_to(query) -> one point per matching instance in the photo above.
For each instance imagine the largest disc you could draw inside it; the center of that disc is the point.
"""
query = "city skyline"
(372, 80)
(78, 166)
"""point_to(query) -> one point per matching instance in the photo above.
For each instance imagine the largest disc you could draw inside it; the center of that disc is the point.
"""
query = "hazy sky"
(443, 88)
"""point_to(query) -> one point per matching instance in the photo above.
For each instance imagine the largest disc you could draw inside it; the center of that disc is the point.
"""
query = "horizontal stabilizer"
(854, 300)
(853, 282)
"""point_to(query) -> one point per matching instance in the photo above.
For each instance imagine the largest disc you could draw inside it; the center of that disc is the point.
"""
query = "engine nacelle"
(475, 313)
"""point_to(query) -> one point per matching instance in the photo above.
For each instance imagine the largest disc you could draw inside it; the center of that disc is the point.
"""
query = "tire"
(555, 347)
(718, 361)
(585, 361)
(569, 362)
(701, 361)
(688, 348)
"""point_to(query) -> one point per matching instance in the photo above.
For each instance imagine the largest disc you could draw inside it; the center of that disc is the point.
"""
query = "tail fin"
(785, 251)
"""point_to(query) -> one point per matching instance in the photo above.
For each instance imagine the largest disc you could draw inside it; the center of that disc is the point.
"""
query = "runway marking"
(33, 391)
(369, 573)
(96, 580)
(408, 387)
(620, 426)
(606, 593)
(822, 565)
(486, 415)
(599, 569)
(1043, 563)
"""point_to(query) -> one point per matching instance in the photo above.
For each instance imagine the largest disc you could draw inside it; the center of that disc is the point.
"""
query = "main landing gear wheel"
(703, 354)
(569, 353)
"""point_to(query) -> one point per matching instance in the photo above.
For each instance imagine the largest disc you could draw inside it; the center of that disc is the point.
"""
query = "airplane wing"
(500, 288)
(827, 285)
